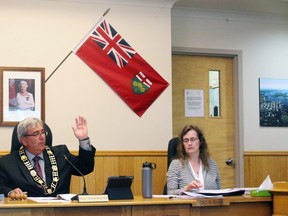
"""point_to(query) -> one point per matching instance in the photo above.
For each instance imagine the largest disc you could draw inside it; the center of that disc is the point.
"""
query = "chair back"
(15, 144)
(172, 152)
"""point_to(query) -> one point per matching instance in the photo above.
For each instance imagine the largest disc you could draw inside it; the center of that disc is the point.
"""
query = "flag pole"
(58, 66)
(69, 53)
(106, 12)
(88, 34)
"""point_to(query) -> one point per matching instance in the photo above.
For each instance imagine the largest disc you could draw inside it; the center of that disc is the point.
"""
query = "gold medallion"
(34, 174)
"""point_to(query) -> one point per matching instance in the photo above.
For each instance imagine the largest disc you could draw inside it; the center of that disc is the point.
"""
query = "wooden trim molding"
(129, 153)
(113, 153)
(3, 153)
(259, 153)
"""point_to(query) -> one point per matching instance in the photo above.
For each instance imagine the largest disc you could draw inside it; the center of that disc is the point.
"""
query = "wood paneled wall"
(257, 165)
(115, 163)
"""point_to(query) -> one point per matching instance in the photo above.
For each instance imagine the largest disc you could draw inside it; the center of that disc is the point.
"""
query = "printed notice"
(194, 103)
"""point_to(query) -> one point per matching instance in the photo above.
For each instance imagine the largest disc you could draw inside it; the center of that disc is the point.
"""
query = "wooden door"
(192, 72)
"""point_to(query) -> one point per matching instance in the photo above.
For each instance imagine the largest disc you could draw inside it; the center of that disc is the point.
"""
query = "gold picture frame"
(22, 94)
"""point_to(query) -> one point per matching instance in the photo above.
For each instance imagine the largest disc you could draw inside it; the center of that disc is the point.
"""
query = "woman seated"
(192, 169)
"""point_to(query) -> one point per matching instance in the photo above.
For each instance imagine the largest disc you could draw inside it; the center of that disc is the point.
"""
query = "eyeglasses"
(38, 133)
(192, 139)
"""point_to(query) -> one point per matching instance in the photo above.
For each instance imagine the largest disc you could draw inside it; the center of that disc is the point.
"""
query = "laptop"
(119, 187)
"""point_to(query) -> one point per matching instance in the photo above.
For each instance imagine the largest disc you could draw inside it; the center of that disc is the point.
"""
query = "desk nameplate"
(210, 202)
(93, 198)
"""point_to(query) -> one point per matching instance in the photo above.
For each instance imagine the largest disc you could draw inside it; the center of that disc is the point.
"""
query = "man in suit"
(49, 173)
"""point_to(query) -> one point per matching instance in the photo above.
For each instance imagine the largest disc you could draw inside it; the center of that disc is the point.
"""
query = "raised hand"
(80, 129)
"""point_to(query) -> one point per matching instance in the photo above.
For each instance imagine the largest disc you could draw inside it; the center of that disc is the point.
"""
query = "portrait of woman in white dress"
(24, 99)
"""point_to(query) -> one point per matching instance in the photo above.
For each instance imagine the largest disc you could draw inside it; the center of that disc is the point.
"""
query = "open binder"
(119, 187)
(223, 192)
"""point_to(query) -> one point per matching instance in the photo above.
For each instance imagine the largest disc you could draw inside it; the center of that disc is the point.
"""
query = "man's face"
(35, 140)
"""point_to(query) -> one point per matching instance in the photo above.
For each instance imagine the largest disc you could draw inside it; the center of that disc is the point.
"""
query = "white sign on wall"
(194, 103)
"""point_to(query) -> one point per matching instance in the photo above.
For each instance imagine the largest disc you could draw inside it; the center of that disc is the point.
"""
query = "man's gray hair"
(25, 124)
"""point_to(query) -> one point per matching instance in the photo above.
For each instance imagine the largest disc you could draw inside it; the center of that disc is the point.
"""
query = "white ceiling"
(267, 7)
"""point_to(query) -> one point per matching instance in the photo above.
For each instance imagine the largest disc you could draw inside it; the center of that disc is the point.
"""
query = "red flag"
(12, 93)
(121, 67)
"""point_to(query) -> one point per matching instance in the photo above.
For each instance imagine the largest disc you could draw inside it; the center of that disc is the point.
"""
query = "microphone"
(84, 187)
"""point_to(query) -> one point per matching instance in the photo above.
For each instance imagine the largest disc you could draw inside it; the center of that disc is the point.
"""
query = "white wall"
(263, 41)
(40, 33)
(37, 33)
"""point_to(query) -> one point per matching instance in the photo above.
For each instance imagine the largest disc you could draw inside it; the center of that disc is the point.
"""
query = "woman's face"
(23, 87)
(191, 142)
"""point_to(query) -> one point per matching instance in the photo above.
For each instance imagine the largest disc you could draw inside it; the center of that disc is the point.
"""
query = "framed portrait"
(22, 94)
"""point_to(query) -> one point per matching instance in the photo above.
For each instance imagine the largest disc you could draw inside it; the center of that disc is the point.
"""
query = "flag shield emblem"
(140, 84)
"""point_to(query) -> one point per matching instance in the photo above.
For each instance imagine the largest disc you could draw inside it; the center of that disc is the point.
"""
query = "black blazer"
(14, 174)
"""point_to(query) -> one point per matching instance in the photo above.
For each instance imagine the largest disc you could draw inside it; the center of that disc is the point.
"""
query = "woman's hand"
(195, 184)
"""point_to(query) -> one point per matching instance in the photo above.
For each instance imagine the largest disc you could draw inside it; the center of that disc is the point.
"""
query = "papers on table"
(207, 193)
(197, 194)
(223, 192)
(185, 195)
(266, 185)
(46, 199)
(59, 198)
(164, 196)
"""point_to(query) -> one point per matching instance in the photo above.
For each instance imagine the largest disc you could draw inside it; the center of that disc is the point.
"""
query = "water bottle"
(147, 179)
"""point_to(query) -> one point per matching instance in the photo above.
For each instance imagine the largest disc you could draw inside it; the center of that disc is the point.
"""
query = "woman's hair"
(203, 147)
(23, 83)
(25, 124)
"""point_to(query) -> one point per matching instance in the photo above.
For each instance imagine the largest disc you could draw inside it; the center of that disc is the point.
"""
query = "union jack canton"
(113, 44)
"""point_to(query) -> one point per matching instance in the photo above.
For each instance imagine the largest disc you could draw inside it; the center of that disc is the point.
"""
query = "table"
(236, 205)
(280, 198)
(240, 205)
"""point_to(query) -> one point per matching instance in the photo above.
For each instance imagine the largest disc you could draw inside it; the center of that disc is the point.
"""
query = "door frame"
(238, 100)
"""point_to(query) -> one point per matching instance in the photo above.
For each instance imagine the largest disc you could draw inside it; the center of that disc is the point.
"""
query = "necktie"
(37, 166)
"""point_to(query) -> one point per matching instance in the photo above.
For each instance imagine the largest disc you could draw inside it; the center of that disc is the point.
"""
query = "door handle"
(229, 162)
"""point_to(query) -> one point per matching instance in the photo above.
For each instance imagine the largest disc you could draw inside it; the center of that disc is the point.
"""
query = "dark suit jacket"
(14, 174)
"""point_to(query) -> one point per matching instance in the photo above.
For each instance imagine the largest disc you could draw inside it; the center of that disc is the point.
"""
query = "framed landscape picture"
(273, 98)
(22, 94)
